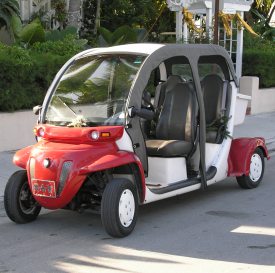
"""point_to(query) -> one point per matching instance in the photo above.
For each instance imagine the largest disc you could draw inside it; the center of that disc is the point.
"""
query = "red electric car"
(128, 125)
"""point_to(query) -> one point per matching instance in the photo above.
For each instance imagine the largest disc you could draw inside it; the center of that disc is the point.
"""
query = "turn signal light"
(105, 134)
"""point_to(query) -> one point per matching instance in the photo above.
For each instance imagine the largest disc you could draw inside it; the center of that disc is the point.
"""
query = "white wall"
(16, 130)
(263, 100)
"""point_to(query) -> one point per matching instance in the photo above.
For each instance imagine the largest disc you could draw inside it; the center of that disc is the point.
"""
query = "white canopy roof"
(142, 48)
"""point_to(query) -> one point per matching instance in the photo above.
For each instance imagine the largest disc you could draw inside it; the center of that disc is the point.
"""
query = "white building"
(234, 45)
(28, 7)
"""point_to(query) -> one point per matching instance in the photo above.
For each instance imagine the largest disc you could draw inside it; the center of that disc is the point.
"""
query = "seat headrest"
(211, 78)
(172, 81)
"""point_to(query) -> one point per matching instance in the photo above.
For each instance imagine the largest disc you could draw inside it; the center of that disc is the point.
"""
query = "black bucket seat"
(175, 130)
(216, 96)
(163, 88)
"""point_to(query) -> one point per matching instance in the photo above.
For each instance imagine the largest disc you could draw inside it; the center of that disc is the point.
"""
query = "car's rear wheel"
(256, 171)
(19, 203)
(119, 207)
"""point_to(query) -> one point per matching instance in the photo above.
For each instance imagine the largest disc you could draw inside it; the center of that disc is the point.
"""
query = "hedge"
(260, 63)
(26, 74)
(259, 59)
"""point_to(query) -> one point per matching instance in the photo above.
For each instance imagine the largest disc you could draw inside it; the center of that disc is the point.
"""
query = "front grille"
(64, 175)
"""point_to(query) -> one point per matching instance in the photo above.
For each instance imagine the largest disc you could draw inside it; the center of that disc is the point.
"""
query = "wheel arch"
(22, 156)
(240, 153)
(134, 170)
(118, 162)
(265, 151)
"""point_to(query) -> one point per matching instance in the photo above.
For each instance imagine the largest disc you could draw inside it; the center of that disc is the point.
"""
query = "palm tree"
(9, 13)
(74, 13)
(261, 14)
(263, 6)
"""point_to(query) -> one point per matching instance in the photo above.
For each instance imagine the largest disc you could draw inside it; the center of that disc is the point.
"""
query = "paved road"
(6, 169)
(225, 229)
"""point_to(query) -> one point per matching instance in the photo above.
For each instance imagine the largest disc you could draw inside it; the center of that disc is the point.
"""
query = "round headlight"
(95, 135)
(46, 162)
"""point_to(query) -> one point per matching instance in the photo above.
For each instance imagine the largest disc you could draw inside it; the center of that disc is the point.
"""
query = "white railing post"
(179, 25)
(209, 23)
(239, 57)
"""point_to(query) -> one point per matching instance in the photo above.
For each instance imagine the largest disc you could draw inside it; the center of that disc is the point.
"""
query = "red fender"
(115, 160)
(86, 158)
(240, 154)
(21, 157)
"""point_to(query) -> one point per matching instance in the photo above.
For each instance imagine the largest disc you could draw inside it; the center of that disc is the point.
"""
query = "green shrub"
(259, 60)
(18, 54)
(66, 47)
(32, 33)
(25, 76)
(260, 63)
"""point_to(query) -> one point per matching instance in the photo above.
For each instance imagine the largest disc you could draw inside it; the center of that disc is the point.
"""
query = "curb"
(270, 144)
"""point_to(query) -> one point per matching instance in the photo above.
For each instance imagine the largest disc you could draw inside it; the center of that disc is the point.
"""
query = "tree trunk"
(97, 16)
(216, 22)
(74, 13)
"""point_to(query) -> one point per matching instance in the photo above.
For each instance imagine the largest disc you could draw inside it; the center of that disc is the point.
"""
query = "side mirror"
(142, 113)
(36, 109)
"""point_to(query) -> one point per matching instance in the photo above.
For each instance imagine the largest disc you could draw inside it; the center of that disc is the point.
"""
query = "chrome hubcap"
(126, 208)
(256, 167)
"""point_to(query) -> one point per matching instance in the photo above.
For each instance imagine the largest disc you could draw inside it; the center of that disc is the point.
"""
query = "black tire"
(255, 176)
(114, 196)
(19, 203)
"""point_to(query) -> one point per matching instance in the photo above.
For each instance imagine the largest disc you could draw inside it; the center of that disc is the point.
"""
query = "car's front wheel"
(19, 203)
(119, 207)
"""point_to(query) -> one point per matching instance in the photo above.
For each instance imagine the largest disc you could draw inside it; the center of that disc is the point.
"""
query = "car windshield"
(93, 91)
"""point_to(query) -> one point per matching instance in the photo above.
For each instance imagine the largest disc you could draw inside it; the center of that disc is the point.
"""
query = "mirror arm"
(36, 109)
